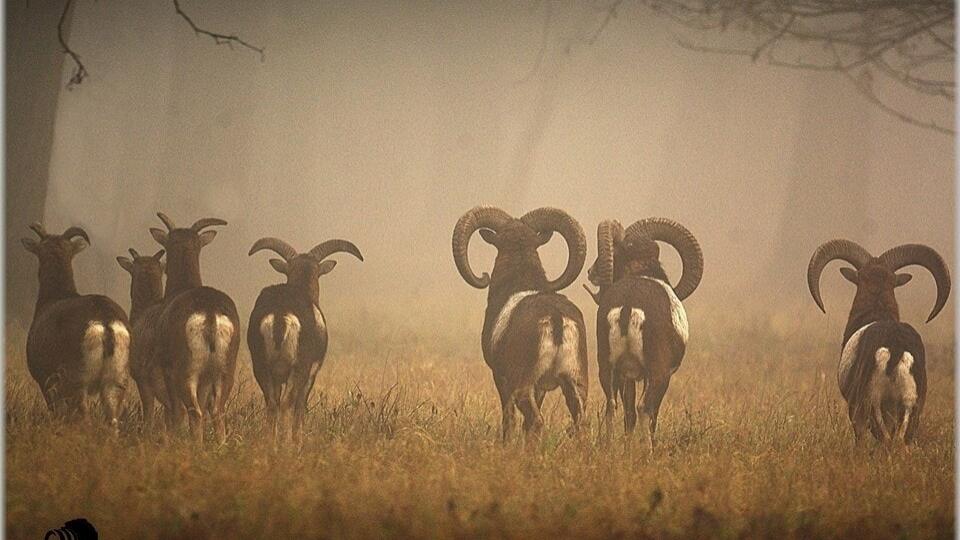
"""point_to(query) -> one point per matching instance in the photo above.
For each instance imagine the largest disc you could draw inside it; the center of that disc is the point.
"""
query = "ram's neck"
(867, 309)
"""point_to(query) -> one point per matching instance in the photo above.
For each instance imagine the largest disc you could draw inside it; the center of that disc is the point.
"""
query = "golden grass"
(753, 443)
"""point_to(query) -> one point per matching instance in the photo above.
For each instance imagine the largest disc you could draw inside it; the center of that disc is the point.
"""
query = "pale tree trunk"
(829, 185)
(33, 83)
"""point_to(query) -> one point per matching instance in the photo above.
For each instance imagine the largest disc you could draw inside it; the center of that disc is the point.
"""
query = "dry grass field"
(753, 443)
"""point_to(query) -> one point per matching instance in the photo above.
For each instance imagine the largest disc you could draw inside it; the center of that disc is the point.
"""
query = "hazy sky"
(382, 123)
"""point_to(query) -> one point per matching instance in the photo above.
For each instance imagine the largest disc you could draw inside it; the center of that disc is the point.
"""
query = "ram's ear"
(279, 265)
(160, 236)
(489, 236)
(207, 237)
(850, 274)
(903, 279)
(78, 244)
(30, 245)
(326, 267)
(126, 264)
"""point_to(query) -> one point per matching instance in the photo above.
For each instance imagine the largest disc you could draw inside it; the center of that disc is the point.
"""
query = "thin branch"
(79, 70)
(219, 39)
(610, 13)
(543, 44)
(866, 91)
(893, 38)
(774, 38)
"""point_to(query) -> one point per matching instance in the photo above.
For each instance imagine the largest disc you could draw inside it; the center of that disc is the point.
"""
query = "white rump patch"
(222, 337)
(900, 388)
(321, 322)
(196, 341)
(503, 319)
(678, 315)
(266, 332)
(633, 341)
(907, 362)
(92, 352)
(558, 360)
(849, 354)
(116, 367)
(200, 350)
(882, 357)
(288, 342)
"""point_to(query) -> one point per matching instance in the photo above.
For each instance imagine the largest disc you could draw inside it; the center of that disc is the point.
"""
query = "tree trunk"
(33, 83)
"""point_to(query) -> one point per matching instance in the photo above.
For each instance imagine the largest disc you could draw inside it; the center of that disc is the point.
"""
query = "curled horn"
(609, 234)
(276, 245)
(166, 221)
(682, 240)
(75, 231)
(553, 219)
(480, 217)
(134, 254)
(324, 249)
(845, 250)
(38, 228)
(919, 254)
(203, 223)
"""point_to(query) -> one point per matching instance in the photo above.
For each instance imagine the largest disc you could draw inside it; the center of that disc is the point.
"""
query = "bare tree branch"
(79, 70)
(909, 43)
(865, 88)
(219, 39)
(610, 13)
(544, 37)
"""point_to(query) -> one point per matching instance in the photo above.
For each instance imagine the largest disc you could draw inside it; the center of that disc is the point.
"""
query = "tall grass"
(402, 442)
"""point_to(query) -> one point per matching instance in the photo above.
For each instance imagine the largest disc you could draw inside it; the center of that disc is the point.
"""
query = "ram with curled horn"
(197, 332)
(533, 338)
(642, 327)
(287, 334)
(882, 372)
(78, 345)
(146, 298)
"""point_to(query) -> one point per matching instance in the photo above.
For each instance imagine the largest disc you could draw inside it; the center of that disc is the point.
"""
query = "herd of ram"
(180, 343)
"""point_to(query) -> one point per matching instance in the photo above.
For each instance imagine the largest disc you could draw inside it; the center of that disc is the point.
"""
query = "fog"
(382, 123)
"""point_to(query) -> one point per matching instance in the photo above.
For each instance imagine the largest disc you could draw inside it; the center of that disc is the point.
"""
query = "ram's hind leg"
(217, 399)
(881, 425)
(147, 404)
(111, 395)
(303, 390)
(860, 422)
(572, 356)
(653, 393)
(574, 393)
(532, 418)
(272, 389)
(190, 400)
(507, 405)
(294, 399)
(628, 393)
(901, 433)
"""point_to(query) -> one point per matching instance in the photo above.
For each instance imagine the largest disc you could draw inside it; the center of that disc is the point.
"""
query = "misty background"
(382, 123)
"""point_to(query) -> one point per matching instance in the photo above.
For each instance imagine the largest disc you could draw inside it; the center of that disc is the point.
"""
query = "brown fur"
(54, 343)
(199, 388)
(286, 387)
(146, 295)
(875, 302)
(514, 359)
(663, 350)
